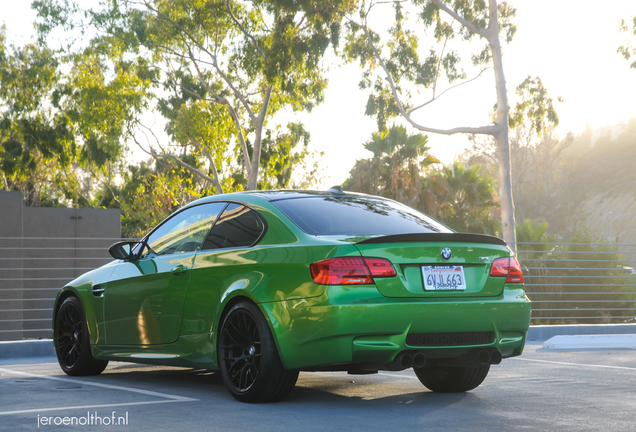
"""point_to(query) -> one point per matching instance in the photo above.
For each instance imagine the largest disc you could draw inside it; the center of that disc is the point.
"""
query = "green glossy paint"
(149, 314)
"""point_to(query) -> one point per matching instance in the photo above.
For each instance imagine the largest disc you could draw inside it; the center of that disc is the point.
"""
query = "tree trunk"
(252, 180)
(503, 145)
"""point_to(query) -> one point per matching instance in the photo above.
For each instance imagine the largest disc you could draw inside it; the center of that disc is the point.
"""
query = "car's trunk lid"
(410, 253)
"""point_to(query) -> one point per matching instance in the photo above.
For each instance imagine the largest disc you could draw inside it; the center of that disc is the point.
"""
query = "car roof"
(277, 195)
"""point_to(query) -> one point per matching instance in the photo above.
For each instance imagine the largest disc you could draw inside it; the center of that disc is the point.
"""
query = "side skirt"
(193, 351)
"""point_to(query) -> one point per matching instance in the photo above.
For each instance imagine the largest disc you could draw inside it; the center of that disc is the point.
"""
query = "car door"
(143, 300)
(226, 260)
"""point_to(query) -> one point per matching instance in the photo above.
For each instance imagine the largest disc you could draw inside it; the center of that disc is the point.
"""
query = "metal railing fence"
(568, 283)
(580, 283)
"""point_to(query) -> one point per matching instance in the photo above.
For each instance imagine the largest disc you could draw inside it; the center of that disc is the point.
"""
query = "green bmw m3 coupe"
(261, 285)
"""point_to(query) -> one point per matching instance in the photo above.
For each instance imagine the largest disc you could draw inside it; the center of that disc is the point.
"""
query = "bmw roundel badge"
(446, 253)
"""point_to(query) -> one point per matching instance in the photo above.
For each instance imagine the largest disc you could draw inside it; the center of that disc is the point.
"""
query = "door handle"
(179, 270)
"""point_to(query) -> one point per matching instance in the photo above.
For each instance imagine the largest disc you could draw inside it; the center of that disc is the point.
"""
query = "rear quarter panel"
(263, 274)
(276, 269)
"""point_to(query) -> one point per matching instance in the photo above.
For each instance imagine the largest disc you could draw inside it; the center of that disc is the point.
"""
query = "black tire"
(248, 359)
(72, 345)
(452, 379)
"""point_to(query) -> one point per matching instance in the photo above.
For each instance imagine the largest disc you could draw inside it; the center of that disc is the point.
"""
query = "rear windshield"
(356, 216)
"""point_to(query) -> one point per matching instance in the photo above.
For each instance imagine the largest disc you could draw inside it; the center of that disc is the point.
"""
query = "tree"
(401, 67)
(225, 65)
(147, 195)
(395, 169)
(543, 170)
(464, 199)
(59, 136)
(628, 49)
(35, 141)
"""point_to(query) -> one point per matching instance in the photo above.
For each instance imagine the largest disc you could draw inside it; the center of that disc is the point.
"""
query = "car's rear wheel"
(452, 379)
(248, 358)
(72, 344)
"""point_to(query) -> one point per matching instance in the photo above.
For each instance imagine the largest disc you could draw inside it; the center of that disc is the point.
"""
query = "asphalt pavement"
(543, 390)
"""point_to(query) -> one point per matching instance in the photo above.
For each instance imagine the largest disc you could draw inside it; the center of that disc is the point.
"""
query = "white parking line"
(169, 397)
(575, 364)
(38, 410)
(397, 376)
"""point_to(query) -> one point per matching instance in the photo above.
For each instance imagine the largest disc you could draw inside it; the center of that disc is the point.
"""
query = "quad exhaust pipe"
(417, 359)
(484, 357)
(406, 360)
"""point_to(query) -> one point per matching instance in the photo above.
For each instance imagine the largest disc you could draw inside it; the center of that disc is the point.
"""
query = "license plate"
(437, 278)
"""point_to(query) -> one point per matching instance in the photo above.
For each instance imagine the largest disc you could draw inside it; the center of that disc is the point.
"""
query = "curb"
(545, 332)
(27, 348)
(591, 342)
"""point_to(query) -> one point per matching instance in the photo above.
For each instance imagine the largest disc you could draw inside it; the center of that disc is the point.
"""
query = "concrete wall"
(41, 249)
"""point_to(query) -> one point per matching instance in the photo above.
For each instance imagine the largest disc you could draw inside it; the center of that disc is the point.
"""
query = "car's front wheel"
(72, 344)
(248, 358)
(452, 379)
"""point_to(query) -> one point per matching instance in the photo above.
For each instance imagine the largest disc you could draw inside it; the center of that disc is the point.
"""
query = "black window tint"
(238, 226)
(356, 216)
(184, 232)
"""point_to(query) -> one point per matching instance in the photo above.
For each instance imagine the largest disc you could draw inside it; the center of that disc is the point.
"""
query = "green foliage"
(64, 120)
(37, 140)
(395, 169)
(407, 62)
(399, 169)
(628, 48)
(542, 171)
(218, 69)
(148, 195)
(281, 153)
(535, 107)
(562, 275)
(534, 232)
(102, 103)
(464, 199)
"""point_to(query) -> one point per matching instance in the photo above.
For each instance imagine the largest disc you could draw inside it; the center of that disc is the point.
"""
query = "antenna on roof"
(336, 190)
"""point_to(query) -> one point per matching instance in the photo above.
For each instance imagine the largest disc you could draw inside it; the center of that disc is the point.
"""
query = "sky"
(571, 45)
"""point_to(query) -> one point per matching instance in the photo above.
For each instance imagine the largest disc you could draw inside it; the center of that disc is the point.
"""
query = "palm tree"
(463, 199)
(394, 170)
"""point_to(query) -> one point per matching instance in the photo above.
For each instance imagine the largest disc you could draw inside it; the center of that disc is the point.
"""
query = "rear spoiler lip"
(436, 237)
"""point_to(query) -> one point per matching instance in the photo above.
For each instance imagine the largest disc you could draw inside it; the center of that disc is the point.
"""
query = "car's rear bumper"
(357, 324)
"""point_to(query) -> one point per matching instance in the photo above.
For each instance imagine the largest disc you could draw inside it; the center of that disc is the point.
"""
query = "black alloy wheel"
(241, 346)
(72, 344)
(248, 359)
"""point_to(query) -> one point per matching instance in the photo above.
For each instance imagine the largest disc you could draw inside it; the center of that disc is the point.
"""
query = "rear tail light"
(508, 268)
(350, 270)
(380, 267)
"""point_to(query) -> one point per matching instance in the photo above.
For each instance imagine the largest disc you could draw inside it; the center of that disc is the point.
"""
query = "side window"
(184, 232)
(238, 226)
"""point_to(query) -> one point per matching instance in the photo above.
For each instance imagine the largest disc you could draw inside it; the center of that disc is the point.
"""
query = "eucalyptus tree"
(628, 48)
(399, 65)
(221, 68)
(58, 144)
(34, 141)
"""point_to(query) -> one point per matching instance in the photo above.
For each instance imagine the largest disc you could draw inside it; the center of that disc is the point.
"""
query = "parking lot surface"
(542, 390)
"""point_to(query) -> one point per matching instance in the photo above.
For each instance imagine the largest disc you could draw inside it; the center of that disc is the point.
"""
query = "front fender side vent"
(98, 290)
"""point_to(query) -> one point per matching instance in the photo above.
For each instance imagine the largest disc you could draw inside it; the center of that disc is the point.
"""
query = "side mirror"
(122, 250)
